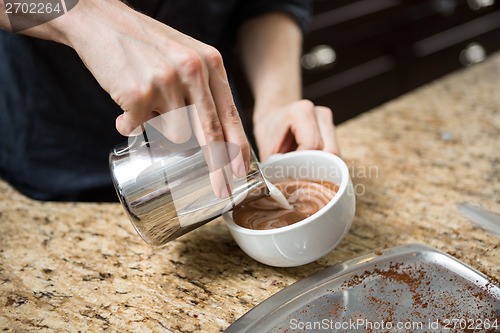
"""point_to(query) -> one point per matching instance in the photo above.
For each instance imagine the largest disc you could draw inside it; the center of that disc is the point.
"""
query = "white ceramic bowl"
(313, 237)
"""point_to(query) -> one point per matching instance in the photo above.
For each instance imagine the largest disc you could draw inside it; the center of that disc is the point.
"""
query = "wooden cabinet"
(361, 53)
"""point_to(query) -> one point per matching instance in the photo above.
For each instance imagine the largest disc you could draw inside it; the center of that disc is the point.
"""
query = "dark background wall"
(361, 53)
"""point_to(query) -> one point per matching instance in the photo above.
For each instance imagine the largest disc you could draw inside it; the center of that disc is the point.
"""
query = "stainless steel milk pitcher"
(167, 187)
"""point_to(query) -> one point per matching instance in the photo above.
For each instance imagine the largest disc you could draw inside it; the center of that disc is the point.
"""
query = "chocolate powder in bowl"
(305, 196)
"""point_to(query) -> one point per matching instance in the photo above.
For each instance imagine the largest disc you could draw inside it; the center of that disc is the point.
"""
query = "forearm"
(271, 47)
(74, 24)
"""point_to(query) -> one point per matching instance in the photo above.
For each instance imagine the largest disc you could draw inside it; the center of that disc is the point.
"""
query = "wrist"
(265, 106)
(276, 91)
(81, 23)
(65, 28)
(75, 24)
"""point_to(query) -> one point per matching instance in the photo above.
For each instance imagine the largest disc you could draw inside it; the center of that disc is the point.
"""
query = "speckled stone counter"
(82, 267)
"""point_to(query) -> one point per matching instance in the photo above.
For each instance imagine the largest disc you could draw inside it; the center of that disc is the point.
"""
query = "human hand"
(149, 68)
(297, 126)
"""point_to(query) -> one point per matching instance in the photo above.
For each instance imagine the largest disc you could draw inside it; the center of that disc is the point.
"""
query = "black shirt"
(57, 125)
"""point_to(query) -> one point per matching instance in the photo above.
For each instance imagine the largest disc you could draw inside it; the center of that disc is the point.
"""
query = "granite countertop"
(82, 267)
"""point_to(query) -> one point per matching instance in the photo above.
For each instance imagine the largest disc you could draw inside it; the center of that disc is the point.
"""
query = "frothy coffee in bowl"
(305, 196)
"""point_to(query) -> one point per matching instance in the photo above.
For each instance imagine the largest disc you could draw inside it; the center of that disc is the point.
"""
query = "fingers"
(219, 122)
(130, 123)
(229, 117)
(173, 119)
(311, 127)
(162, 92)
(324, 116)
(174, 125)
(305, 126)
(208, 131)
(220, 178)
(173, 122)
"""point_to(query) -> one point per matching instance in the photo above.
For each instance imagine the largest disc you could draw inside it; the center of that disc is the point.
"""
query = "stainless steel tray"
(411, 288)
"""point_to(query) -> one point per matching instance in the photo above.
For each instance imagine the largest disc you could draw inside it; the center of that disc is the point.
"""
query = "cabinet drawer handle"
(472, 54)
(478, 4)
(321, 56)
